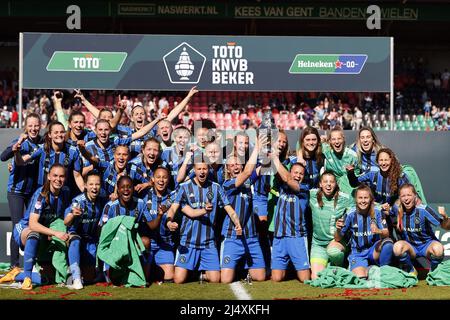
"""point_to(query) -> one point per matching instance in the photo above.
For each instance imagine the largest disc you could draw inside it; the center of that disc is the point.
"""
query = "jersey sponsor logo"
(363, 234)
(413, 229)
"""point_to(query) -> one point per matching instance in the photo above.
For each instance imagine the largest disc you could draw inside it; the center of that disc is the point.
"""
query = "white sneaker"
(76, 285)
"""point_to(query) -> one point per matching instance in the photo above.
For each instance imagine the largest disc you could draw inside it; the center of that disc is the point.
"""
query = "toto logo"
(184, 64)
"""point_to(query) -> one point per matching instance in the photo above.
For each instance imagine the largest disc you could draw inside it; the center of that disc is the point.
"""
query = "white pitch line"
(239, 291)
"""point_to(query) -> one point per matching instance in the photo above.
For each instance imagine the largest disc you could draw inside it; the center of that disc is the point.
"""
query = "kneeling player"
(370, 242)
(159, 200)
(46, 205)
(82, 219)
(290, 241)
(200, 199)
(414, 225)
(234, 247)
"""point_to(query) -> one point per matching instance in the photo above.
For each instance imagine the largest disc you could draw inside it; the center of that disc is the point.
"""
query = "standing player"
(103, 146)
(55, 150)
(338, 157)
(370, 242)
(82, 219)
(143, 166)
(327, 205)
(174, 156)
(366, 147)
(384, 182)
(22, 180)
(245, 246)
(127, 205)
(111, 171)
(47, 204)
(414, 224)
(138, 119)
(310, 155)
(197, 250)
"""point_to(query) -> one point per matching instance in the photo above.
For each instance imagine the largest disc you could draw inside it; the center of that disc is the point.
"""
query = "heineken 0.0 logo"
(86, 61)
(328, 63)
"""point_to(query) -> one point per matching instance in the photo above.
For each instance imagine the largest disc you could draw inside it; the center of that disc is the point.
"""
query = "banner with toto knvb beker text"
(216, 63)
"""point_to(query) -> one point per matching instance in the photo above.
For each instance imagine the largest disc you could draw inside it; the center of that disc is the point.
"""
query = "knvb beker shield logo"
(184, 64)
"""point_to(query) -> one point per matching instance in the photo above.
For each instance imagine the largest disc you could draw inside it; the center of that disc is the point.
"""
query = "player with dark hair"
(366, 147)
(384, 182)
(128, 205)
(159, 200)
(415, 224)
(82, 219)
(143, 166)
(310, 155)
(327, 204)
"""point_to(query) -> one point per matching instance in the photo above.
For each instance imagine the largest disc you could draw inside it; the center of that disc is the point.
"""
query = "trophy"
(265, 129)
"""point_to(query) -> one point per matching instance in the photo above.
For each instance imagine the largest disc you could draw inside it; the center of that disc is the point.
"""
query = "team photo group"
(154, 200)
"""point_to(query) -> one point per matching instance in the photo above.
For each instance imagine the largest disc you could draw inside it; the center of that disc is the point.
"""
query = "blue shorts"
(421, 249)
(17, 231)
(363, 258)
(260, 207)
(233, 250)
(197, 259)
(163, 254)
(290, 248)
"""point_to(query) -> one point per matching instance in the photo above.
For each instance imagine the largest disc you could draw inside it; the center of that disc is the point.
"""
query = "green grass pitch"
(288, 290)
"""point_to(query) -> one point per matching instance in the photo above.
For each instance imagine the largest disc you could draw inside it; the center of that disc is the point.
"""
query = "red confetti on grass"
(101, 294)
(43, 290)
(63, 296)
(103, 284)
(351, 294)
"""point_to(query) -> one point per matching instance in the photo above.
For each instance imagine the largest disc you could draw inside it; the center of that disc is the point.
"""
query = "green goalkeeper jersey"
(337, 165)
(324, 219)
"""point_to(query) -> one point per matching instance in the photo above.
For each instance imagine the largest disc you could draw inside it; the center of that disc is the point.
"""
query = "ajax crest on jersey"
(38, 205)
